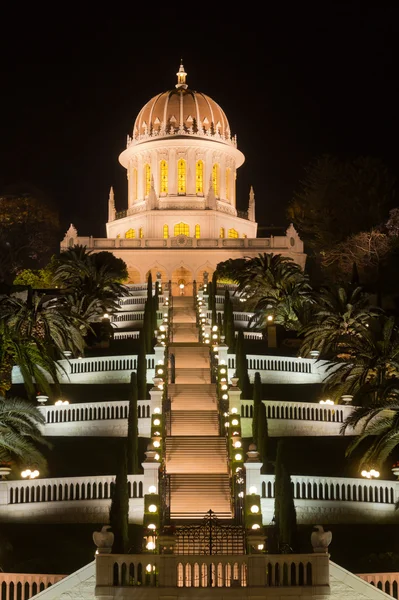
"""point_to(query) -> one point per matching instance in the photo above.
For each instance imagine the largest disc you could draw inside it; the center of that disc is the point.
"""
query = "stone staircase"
(195, 453)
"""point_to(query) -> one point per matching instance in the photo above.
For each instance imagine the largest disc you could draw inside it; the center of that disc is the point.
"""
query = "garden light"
(254, 509)
(253, 489)
(152, 508)
(152, 489)
(238, 457)
(255, 526)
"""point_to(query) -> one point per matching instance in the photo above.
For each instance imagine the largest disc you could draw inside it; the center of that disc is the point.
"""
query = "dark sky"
(305, 81)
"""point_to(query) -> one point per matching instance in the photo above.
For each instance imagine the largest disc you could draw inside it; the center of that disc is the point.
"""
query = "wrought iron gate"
(210, 537)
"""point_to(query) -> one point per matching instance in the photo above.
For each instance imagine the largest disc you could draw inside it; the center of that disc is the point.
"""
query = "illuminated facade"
(181, 163)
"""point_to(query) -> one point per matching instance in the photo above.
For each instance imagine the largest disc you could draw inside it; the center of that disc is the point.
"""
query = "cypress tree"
(242, 367)
(149, 286)
(154, 309)
(257, 398)
(220, 323)
(228, 322)
(262, 436)
(147, 324)
(119, 510)
(132, 429)
(284, 507)
(142, 368)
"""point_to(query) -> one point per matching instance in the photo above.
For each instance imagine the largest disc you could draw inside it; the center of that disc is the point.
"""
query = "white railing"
(126, 335)
(341, 489)
(386, 582)
(26, 585)
(136, 300)
(93, 411)
(252, 571)
(65, 489)
(132, 316)
(275, 363)
(251, 335)
(109, 369)
(299, 411)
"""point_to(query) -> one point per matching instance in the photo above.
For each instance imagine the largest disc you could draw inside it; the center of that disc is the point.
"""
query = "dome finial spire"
(181, 77)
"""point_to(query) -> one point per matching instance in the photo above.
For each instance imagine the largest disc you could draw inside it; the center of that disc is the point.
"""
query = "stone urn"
(395, 470)
(42, 399)
(104, 540)
(5, 470)
(320, 539)
(234, 381)
(346, 399)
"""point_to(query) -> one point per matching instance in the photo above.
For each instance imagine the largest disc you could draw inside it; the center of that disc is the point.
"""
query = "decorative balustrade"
(113, 369)
(136, 300)
(275, 242)
(280, 369)
(237, 315)
(244, 571)
(25, 585)
(386, 582)
(132, 316)
(126, 335)
(92, 411)
(336, 488)
(299, 411)
(65, 489)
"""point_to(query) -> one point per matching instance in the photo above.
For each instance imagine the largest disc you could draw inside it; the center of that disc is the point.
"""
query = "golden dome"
(181, 112)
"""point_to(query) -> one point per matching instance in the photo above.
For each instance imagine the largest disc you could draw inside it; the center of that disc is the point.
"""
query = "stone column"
(156, 400)
(159, 351)
(151, 471)
(234, 393)
(252, 470)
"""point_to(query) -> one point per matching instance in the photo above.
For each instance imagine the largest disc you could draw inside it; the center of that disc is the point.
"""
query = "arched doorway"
(133, 275)
(182, 282)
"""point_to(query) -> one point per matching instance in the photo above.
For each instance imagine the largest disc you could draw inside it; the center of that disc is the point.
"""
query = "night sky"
(307, 81)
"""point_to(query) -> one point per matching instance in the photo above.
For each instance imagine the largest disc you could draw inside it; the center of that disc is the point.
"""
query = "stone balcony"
(241, 576)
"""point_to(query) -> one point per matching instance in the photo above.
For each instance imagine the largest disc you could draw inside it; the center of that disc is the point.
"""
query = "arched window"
(197, 232)
(199, 177)
(182, 229)
(165, 232)
(233, 233)
(130, 234)
(164, 177)
(134, 183)
(181, 176)
(216, 179)
(228, 180)
(141, 234)
(147, 175)
(221, 232)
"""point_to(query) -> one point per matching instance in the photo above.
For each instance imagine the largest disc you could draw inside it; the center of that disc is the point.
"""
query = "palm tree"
(379, 424)
(20, 433)
(338, 316)
(33, 335)
(370, 362)
(91, 288)
(272, 285)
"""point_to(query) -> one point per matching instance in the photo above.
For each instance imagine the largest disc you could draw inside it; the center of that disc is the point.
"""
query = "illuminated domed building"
(181, 164)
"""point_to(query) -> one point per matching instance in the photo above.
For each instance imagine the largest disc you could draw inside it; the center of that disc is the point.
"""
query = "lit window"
(181, 176)
(199, 177)
(182, 229)
(233, 233)
(197, 232)
(130, 234)
(147, 172)
(215, 179)
(165, 232)
(228, 171)
(221, 233)
(141, 234)
(164, 177)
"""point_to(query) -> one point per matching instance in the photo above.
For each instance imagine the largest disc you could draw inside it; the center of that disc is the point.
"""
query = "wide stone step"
(194, 495)
(192, 397)
(205, 454)
(194, 422)
(187, 375)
